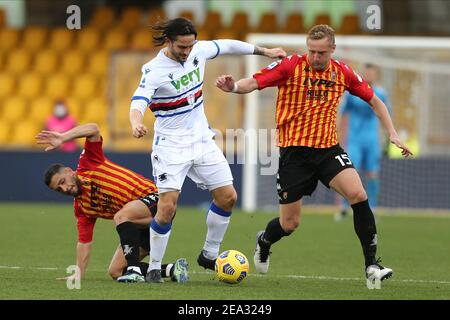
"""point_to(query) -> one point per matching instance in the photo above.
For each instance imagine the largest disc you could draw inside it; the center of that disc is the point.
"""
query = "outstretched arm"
(228, 84)
(54, 139)
(382, 113)
(237, 47)
(83, 255)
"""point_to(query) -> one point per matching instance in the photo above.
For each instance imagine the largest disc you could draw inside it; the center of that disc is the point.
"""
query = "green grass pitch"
(321, 260)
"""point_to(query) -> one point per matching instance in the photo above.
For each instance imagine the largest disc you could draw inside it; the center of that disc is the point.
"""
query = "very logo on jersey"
(186, 79)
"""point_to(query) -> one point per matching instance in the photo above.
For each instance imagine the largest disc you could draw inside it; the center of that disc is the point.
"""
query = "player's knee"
(165, 212)
(357, 196)
(227, 201)
(290, 224)
(120, 217)
(114, 273)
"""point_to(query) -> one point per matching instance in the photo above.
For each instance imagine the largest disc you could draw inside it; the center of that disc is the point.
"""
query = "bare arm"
(90, 131)
(136, 120)
(343, 129)
(382, 113)
(83, 255)
(228, 84)
(270, 53)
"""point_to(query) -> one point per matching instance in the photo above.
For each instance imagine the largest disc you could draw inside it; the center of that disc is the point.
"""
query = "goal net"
(416, 75)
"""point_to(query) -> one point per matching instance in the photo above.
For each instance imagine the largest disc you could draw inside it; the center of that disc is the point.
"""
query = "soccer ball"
(232, 266)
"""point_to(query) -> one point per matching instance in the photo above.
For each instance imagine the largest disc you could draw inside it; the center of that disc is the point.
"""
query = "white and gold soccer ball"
(232, 266)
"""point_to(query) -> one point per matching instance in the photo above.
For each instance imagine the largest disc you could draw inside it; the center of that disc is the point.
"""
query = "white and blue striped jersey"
(173, 91)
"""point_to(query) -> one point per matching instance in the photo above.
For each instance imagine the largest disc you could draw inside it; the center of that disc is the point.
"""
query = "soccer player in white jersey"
(171, 86)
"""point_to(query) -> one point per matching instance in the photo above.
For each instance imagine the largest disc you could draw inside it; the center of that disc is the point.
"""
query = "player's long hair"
(170, 29)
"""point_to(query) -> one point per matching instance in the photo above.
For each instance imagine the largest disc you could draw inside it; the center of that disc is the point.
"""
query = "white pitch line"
(292, 276)
(337, 278)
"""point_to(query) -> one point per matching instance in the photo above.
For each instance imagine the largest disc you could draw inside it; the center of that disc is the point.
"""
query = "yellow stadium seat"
(132, 144)
(73, 63)
(61, 39)
(227, 34)
(268, 23)
(45, 62)
(142, 39)
(203, 34)
(115, 39)
(7, 85)
(88, 39)
(188, 14)
(85, 87)
(121, 113)
(95, 110)
(130, 18)
(102, 87)
(14, 109)
(34, 38)
(349, 24)
(323, 18)
(57, 86)
(103, 18)
(75, 107)
(213, 21)
(155, 16)
(18, 61)
(99, 62)
(2, 18)
(24, 133)
(30, 85)
(240, 22)
(9, 39)
(294, 24)
(41, 109)
(5, 131)
(239, 26)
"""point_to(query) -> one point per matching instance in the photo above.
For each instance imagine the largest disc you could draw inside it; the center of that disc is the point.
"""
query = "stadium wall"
(22, 178)
(415, 183)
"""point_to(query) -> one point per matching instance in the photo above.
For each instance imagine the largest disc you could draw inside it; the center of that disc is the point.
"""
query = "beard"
(78, 187)
(76, 190)
(178, 56)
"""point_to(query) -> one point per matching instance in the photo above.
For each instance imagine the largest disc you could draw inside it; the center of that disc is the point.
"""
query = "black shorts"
(300, 168)
(151, 201)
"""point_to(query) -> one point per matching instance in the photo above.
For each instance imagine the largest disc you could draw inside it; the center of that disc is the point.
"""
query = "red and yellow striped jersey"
(105, 188)
(307, 99)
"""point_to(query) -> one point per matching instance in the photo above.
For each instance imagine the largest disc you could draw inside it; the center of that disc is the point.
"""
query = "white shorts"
(204, 163)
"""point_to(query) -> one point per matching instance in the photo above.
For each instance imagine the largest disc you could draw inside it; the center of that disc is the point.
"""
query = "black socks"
(129, 240)
(365, 228)
(273, 233)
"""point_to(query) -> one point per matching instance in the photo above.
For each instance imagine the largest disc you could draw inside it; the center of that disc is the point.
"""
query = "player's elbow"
(94, 129)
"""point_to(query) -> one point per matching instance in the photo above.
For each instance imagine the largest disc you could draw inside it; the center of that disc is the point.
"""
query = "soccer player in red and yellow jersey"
(103, 189)
(310, 87)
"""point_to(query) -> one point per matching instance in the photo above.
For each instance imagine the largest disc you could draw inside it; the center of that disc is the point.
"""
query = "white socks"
(159, 237)
(217, 221)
